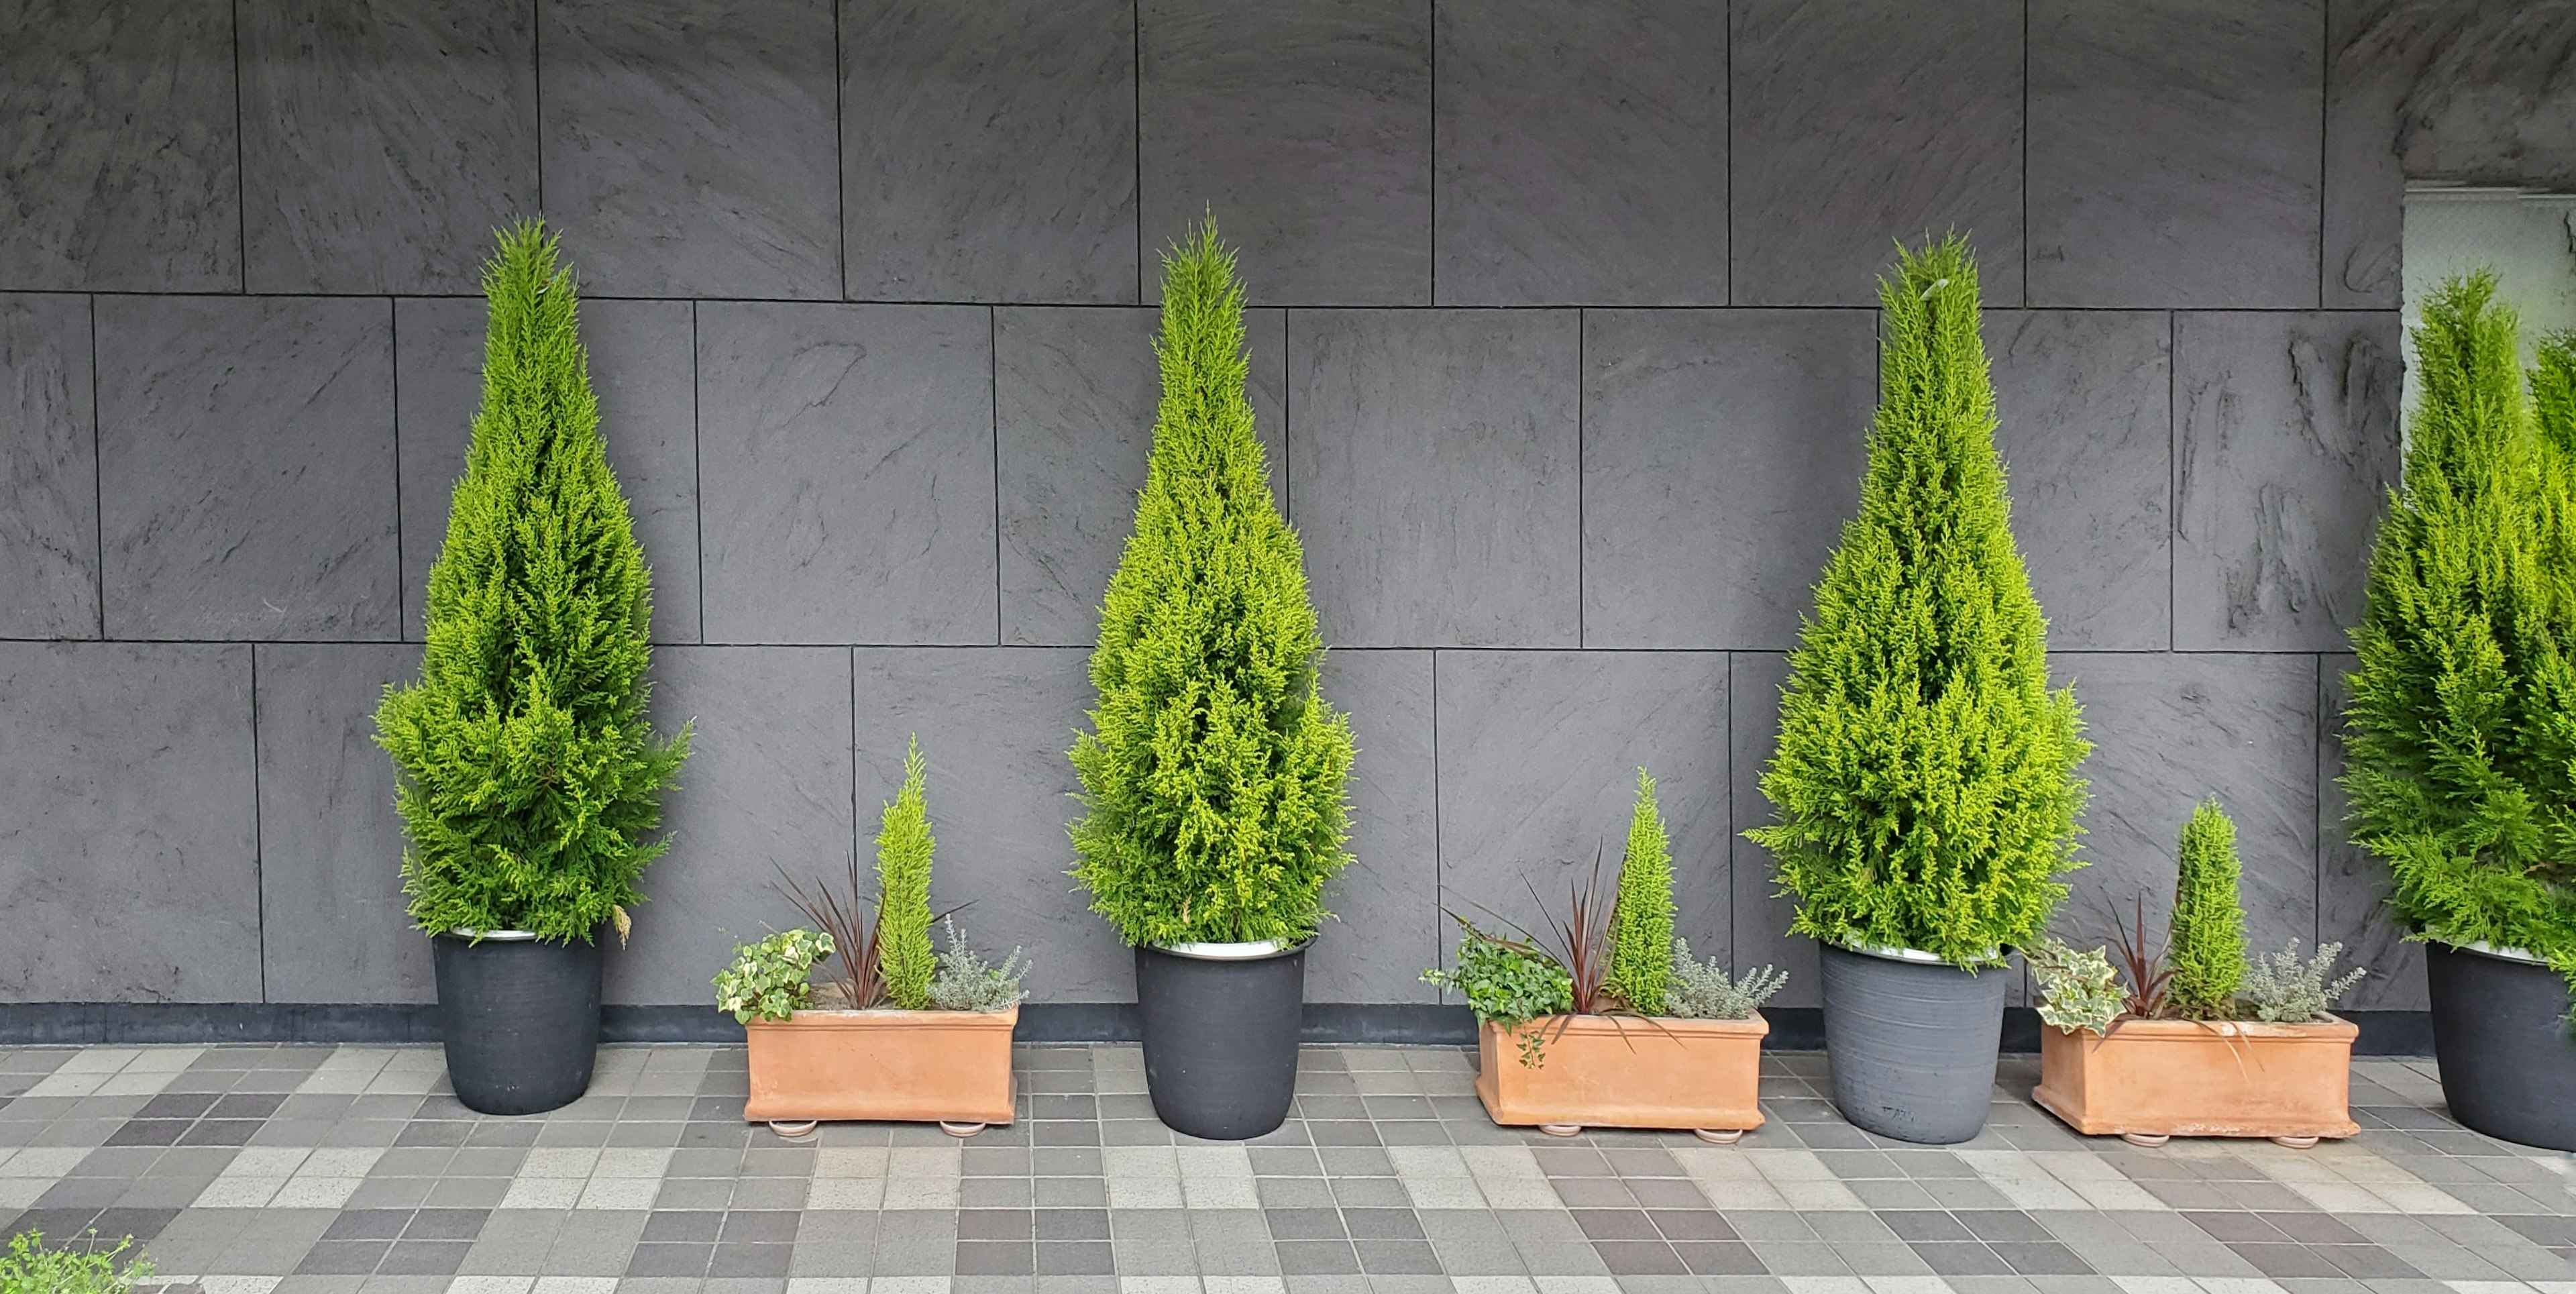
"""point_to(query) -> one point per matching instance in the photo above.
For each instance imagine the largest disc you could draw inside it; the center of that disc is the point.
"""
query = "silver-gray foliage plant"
(966, 982)
(1707, 992)
(2288, 991)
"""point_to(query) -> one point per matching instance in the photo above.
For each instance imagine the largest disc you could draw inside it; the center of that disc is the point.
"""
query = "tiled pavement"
(246, 1170)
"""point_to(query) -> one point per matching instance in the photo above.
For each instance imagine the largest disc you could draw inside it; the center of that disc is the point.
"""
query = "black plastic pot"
(2501, 1038)
(520, 1018)
(1911, 1045)
(1221, 1039)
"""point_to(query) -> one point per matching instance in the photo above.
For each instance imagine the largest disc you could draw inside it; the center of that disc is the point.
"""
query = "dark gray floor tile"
(1317, 1258)
(996, 1258)
(1640, 1258)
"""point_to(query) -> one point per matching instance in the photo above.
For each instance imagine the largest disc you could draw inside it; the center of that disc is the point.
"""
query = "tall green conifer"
(2460, 757)
(1925, 777)
(905, 959)
(1641, 922)
(2208, 941)
(528, 779)
(1212, 778)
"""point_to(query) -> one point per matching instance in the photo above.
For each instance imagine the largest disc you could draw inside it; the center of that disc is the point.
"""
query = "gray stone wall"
(1563, 344)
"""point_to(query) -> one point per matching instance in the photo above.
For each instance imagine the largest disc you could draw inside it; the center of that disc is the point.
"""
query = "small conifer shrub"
(905, 960)
(1641, 923)
(1212, 774)
(2207, 943)
(1925, 782)
(2460, 754)
(528, 780)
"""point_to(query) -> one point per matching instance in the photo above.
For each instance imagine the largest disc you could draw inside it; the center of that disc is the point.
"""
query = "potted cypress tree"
(1616, 1025)
(904, 1033)
(2197, 1046)
(528, 780)
(2460, 756)
(1925, 780)
(1212, 774)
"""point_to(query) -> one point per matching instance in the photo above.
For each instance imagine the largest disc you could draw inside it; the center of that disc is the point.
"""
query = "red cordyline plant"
(2150, 973)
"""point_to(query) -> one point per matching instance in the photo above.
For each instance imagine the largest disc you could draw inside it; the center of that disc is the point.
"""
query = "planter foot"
(2146, 1138)
(1719, 1136)
(956, 1129)
(795, 1130)
(2296, 1143)
(1561, 1129)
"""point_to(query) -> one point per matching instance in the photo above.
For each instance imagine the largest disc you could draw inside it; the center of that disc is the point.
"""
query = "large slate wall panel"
(1305, 128)
(129, 854)
(692, 146)
(119, 153)
(383, 141)
(330, 844)
(1582, 153)
(1562, 348)
(246, 468)
(1435, 452)
(1857, 122)
(642, 358)
(49, 464)
(989, 150)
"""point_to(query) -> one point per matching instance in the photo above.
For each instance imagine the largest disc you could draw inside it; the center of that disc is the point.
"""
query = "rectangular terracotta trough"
(901, 1066)
(1627, 1072)
(2187, 1078)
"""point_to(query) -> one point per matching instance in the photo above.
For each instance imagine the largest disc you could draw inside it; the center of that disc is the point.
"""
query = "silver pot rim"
(1233, 952)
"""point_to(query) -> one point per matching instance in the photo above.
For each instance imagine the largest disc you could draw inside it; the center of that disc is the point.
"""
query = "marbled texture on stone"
(2168, 731)
(1305, 127)
(989, 150)
(846, 473)
(1387, 928)
(2083, 402)
(1856, 123)
(767, 787)
(2174, 153)
(640, 368)
(1539, 752)
(49, 465)
(1434, 463)
(129, 865)
(1761, 914)
(119, 149)
(1722, 453)
(2352, 883)
(994, 725)
(2375, 50)
(384, 140)
(1076, 390)
(692, 146)
(2285, 446)
(338, 928)
(1582, 153)
(2493, 104)
(246, 468)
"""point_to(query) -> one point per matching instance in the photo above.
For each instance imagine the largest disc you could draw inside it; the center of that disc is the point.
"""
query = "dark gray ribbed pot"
(2500, 1035)
(1221, 1039)
(1911, 1045)
(520, 1019)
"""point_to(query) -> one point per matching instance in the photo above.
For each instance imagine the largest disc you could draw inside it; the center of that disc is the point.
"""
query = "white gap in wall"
(2528, 239)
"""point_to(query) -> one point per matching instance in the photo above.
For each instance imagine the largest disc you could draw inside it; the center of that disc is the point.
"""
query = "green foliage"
(1706, 992)
(528, 779)
(904, 846)
(1641, 921)
(771, 980)
(1509, 983)
(2460, 754)
(1212, 779)
(966, 982)
(2078, 990)
(2288, 991)
(31, 1268)
(2207, 946)
(2553, 395)
(1925, 777)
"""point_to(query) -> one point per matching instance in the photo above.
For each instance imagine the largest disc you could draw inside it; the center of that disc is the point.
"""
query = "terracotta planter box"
(900, 1066)
(2183, 1078)
(1618, 1072)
